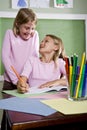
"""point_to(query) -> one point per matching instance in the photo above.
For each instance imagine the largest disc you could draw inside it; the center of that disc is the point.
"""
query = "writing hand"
(22, 86)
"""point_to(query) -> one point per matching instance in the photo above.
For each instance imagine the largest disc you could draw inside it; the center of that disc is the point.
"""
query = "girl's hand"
(57, 82)
(48, 84)
(22, 86)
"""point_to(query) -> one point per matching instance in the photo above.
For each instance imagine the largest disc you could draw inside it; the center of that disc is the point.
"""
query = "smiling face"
(24, 23)
(27, 30)
(47, 45)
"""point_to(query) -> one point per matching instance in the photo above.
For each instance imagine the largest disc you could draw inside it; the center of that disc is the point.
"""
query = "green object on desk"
(15, 93)
(73, 84)
(82, 82)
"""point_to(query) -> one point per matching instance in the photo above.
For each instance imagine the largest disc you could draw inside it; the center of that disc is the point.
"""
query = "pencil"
(73, 82)
(70, 75)
(67, 64)
(82, 82)
(79, 80)
(16, 73)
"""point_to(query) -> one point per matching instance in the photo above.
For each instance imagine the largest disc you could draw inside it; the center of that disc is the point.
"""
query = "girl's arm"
(6, 56)
(62, 81)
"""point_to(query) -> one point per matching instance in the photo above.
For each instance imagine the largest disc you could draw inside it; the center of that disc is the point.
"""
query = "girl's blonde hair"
(60, 53)
(24, 15)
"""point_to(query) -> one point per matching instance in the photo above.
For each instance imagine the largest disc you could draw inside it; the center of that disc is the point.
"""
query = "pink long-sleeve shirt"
(38, 72)
(16, 51)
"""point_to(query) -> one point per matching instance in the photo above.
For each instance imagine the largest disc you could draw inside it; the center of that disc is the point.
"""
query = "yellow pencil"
(78, 85)
(70, 74)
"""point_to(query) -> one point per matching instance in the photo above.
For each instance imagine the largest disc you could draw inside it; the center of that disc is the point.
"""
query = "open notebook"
(34, 90)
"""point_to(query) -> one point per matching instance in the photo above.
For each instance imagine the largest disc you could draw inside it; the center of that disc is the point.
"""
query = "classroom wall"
(72, 32)
(79, 7)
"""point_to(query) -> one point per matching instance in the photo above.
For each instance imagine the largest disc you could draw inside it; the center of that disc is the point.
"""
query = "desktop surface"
(22, 121)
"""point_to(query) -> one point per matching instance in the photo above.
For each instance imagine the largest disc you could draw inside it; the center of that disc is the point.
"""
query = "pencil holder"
(77, 88)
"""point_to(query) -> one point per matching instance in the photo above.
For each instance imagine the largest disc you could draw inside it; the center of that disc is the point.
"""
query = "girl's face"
(27, 30)
(47, 45)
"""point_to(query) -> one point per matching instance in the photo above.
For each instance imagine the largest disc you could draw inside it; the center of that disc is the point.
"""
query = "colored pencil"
(16, 73)
(79, 80)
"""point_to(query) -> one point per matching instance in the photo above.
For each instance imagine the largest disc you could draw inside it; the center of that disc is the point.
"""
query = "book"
(36, 90)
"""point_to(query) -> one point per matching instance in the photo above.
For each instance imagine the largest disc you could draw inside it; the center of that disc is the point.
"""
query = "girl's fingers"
(23, 88)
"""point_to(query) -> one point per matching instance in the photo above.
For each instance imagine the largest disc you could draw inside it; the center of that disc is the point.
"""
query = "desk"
(23, 121)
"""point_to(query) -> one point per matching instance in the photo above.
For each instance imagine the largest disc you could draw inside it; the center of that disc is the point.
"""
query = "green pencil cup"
(77, 88)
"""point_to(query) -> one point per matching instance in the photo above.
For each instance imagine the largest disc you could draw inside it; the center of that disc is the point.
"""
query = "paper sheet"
(39, 3)
(34, 91)
(26, 105)
(66, 106)
(15, 93)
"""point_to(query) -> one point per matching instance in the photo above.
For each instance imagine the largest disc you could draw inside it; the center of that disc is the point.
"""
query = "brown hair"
(24, 15)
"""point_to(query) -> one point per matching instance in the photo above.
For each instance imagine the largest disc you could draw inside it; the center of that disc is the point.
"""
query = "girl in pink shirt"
(19, 43)
(48, 70)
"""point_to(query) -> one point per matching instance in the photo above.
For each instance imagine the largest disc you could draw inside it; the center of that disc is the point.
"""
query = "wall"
(79, 7)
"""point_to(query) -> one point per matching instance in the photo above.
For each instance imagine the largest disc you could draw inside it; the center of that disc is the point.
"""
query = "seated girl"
(46, 71)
